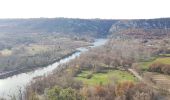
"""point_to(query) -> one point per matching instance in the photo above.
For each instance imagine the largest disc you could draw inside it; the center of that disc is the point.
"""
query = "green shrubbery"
(58, 93)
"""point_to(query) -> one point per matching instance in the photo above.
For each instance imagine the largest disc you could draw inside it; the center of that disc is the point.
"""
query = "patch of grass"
(165, 55)
(105, 78)
(165, 60)
(145, 65)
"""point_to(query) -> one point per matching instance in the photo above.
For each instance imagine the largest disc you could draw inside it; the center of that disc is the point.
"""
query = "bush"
(141, 92)
(58, 93)
(160, 68)
(89, 76)
(122, 87)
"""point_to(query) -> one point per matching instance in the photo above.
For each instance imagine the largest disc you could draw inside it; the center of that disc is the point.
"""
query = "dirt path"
(135, 74)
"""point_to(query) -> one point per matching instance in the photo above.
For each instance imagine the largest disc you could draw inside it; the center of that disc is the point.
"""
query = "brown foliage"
(141, 92)
(122, 87)
(100, 91)
(160, 67)
(113, 55)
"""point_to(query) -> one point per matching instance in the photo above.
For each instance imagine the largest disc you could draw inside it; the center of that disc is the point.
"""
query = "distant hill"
(87, 27)
(94, 27)
(142, 28)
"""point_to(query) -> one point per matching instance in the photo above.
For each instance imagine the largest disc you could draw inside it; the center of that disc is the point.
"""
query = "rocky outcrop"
(142, 28)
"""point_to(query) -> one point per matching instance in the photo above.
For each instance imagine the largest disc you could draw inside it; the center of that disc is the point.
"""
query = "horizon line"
(85, 18)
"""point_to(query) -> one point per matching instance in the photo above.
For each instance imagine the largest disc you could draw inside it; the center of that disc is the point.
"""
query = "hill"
(147, 28)
(87, 27)
(92, 27)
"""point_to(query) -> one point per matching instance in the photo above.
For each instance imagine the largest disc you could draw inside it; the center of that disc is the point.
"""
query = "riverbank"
(24, 70)
(18, 82)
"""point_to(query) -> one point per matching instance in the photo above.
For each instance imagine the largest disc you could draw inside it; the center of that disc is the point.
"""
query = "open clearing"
(145, 65)
(105, 78)
(165, 60)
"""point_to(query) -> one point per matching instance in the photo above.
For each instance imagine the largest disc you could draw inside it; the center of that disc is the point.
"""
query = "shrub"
(100, 91)
(89, 76)
(160, 67)
(141, 92)
(122, 87)
(58, 93)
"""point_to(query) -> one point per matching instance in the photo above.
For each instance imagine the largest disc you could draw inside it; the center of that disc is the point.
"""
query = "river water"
(11, 85)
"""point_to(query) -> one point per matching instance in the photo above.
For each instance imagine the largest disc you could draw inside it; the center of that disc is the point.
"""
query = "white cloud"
(116, 9)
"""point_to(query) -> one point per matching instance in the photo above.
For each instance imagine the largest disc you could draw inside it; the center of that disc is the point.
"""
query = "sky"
(104, 9)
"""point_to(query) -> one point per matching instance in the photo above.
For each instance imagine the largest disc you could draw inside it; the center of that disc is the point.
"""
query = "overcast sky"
(106, 9)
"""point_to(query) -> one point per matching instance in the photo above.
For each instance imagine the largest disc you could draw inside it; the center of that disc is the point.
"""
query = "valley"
(38, 50)
(84, 59)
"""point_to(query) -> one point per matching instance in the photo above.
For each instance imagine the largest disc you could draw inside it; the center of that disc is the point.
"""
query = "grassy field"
(145, 65)
(105, 78)
(165, 60)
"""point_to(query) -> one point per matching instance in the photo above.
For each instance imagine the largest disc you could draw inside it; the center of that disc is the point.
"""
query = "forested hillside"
(89, 27)
(146, 28)
(18, 36)
(86, 27)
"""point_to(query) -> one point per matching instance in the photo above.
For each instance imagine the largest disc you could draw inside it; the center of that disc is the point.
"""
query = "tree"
(57, 93)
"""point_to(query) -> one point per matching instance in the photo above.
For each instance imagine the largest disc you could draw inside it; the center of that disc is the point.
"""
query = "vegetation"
(37, 50)
(160, 67)
(105, 78)
(165, 60)
(144, 65)
(67, 26)
(159, 64)
(165, 55)
(57, 93)
(147, 29)
(102, 73)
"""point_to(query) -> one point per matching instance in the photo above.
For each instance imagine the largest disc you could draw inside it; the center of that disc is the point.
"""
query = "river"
(11, 85)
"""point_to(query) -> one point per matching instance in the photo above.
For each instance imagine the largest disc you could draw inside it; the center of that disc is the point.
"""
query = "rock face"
(146, 24)
(144, 28)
